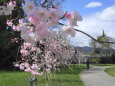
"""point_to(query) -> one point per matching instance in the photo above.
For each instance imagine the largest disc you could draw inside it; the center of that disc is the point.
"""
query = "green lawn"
(111, 71)
(66, 77)
(104, 64)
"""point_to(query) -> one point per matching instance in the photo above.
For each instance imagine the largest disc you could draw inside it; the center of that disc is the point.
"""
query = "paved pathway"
(97, 77)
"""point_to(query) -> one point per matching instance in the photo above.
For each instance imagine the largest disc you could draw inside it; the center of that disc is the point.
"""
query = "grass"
(111, 71)
(64, 77)
(104, 64)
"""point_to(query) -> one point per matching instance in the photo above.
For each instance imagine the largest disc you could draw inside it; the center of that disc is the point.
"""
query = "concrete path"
(97, 77)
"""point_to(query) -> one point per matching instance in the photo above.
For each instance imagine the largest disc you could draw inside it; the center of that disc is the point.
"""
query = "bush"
(113, 58)
(105, 60)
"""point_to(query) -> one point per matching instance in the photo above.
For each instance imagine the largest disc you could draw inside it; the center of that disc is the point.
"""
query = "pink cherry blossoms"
(8, 8)
(42, 20)
(44, 49)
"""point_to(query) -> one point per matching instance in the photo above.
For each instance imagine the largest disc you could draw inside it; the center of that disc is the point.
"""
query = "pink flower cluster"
(72, 19)
(56, 52)
(51, 52)
(29, 68)
(42, 20)
(8, 8)
(28, 63)
(27, 48)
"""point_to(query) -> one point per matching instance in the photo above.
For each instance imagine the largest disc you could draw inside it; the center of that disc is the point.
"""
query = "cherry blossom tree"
(43, 49)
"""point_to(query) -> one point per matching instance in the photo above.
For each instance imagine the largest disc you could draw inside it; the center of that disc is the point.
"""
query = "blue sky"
(79, 5)
(97, 15)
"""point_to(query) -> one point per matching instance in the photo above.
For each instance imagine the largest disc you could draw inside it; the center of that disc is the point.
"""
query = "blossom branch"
(64, 15)
(89, 35)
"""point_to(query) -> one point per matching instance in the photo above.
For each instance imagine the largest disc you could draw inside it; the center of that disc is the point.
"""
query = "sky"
(98, 15)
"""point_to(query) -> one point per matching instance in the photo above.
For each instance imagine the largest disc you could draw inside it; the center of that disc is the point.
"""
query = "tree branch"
(43, 4)
(94, 38)
(102, 42)
(63, 15)
(61, 24)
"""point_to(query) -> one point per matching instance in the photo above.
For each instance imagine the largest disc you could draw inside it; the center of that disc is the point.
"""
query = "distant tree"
(102, 49)
(98, 48)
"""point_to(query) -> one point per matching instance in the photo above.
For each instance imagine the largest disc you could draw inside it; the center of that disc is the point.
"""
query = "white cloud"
(108, 14)
(93, 4)
(94, 25)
